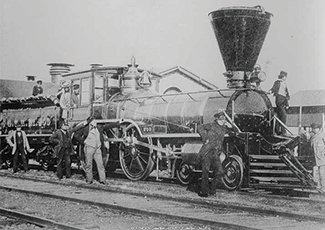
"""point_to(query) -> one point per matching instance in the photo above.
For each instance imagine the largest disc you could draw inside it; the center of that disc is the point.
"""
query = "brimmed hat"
(219, 114)
(283, 74)
(66, 84)
(257, 66)
(315, 126)
(64, 123)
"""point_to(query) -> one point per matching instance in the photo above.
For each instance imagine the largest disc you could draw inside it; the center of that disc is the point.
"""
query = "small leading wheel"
(8, 163)
(136, 155)
(45, 165)
(234, 172)
(183, 173)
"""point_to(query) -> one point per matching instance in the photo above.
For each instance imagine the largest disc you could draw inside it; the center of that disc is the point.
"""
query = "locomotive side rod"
(153, 147)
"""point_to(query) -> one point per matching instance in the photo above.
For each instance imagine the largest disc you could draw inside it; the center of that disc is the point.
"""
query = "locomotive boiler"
(159, 130)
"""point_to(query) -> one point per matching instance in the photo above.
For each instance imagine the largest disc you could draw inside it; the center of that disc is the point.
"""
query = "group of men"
(91, 137)
(67, 99)
(87, 133)
(317, 141)
(213, 136)
(280, 92)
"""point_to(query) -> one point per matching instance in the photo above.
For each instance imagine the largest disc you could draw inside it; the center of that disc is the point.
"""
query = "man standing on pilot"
(281, 93)
(209, 155)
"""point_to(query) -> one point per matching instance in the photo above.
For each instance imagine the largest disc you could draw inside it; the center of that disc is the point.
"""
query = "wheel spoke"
(144, 160)
(131, 163)
(140, 164)
(127, 154)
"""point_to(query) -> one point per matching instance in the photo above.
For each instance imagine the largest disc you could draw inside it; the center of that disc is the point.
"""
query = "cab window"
(113, 86)
(99, 88)
(85, 91)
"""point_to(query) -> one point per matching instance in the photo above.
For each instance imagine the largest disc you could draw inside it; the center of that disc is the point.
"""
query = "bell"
(145, 80)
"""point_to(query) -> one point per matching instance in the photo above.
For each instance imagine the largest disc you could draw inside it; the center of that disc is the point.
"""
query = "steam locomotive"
(159, 130)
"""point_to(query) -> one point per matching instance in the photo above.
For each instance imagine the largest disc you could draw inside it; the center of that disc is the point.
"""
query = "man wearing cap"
(38, 89)
(17, 139)
(65, 100)
(64, 147)
(209, 155)
(256, 77)
(281, 93)
(75, 97)
(318, 144)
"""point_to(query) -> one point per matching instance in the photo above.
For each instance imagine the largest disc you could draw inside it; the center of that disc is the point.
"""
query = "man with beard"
(62, 138)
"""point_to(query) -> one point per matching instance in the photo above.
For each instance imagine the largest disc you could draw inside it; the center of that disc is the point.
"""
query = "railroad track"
(36, 220)
(211, 212)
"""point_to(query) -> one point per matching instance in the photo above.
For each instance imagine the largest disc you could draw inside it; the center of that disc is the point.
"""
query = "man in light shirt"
(318, 144)
(281, 93)
(93, 140)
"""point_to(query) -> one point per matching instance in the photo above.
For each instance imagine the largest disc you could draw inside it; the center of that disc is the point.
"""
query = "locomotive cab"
(93, 89)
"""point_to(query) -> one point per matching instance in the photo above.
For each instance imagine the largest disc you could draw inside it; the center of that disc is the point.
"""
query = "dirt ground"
(96, 218)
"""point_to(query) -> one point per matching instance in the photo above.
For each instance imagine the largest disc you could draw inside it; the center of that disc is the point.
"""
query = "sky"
(160, 34)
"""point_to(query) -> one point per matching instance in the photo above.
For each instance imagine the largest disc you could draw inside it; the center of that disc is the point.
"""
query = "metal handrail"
(281, 123)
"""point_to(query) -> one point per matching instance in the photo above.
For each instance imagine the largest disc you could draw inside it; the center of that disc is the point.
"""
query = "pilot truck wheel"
(183, 172)
(234, 172)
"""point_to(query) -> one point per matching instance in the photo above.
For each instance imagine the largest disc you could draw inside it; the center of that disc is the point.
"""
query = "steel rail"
(214, 204)
(136, 211)
(39, 221)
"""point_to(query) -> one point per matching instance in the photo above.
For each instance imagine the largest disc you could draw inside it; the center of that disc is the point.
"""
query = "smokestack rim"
(239, 10)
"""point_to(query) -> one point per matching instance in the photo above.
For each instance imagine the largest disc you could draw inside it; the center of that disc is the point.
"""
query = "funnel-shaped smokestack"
(240, 32)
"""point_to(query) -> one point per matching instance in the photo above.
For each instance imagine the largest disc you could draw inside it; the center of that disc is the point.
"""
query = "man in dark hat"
(209, 155)
(38, 89)
(318, 144)
(17, 139)
(62, 139)
(281, 93)
(75, 97)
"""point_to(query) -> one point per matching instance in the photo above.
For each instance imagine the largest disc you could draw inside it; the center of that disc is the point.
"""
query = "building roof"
(14, 88)
(189, 75)
(308, 98)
